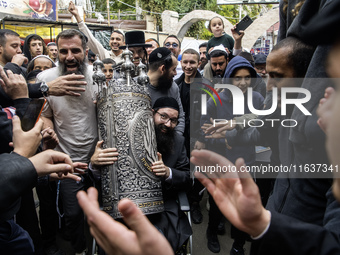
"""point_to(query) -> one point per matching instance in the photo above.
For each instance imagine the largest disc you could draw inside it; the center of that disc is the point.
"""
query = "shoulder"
(174, 87)
(90, 69)
(179, 80)
(228, 37)
(179, 139)
(258, 97)
(48, 74)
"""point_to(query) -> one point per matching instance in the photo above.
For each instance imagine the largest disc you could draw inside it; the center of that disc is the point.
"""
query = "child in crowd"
(108, 69)
(216, 27)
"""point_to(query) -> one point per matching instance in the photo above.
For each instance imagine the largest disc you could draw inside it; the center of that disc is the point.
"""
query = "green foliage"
(100, 6)
(196, 30)
(156, 7)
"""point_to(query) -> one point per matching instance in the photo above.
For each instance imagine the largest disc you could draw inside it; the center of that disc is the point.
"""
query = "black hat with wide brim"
(135, 39)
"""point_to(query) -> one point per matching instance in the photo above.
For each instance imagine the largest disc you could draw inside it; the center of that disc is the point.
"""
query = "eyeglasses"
(260, 68)
(165, 118)
(174, 45)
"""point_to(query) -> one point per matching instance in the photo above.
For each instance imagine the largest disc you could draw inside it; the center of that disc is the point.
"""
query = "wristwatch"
(44, 89)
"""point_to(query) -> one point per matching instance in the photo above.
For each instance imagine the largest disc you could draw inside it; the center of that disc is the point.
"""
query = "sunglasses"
(174, 45)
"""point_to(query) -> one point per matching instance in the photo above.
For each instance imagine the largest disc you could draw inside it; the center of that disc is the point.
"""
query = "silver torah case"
(125, 122)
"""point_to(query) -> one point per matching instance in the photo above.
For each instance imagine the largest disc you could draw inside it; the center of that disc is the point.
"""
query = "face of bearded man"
(81, 66)
(165, 138)
(72, 56)
(165, 81)
(10, 48)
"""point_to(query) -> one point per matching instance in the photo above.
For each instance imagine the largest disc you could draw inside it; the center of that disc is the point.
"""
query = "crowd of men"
(61, 156)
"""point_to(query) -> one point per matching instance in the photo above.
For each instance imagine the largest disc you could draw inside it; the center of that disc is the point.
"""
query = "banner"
(40, 9)
(45, 32)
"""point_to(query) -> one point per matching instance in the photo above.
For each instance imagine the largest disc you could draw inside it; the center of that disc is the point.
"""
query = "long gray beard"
(82, 69)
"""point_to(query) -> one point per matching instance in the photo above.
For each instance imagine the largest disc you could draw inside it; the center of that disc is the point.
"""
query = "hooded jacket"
(26, 48)
(238, 62)
(224, 111)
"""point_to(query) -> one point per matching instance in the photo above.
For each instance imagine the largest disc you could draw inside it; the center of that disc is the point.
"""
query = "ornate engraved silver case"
(125, 122)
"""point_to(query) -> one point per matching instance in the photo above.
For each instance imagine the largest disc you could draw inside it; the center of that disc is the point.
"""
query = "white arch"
(259, 26)
(254, 31)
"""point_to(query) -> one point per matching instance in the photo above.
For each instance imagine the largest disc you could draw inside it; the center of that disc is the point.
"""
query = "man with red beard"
(74, 121)
(162, 69)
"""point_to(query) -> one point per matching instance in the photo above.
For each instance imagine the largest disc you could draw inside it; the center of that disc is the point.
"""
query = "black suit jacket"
(287, 235)
(178, 161)
(17, 175)
(173, 223)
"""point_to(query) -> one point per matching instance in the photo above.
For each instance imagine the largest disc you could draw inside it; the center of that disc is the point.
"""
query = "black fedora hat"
(135, 39)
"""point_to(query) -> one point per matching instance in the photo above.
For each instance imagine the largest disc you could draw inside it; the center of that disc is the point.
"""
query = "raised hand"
(14, 85)
(26, 143)
(50, 161)
(234, 192)
(325, 109)
(74, 11)
(114, 237)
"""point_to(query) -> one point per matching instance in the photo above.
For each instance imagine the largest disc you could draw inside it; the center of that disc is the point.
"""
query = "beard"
(7, 57)
(165, 141)
(203, 63)
(165, 82)
(82, 67)
(218, 74)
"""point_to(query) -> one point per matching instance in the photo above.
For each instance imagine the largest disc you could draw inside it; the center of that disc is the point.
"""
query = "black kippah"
(166, 102)
(159, 54)
(260, 59)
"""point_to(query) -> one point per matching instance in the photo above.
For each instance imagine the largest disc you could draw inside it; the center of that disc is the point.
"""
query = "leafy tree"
(156, 7)
(100, 6)
(231, 13)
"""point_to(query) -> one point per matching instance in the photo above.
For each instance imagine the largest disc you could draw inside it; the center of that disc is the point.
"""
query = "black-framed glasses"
(260, 68)
(174, 45)
(165, 118)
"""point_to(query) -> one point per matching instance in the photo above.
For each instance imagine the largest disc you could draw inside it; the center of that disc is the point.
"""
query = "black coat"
(17, 176)
(287, 235)
(6, 123)
(173, 223)
(33, 89)
(191, 102)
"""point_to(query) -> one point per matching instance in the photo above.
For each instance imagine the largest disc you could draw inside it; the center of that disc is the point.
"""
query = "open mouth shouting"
(72, 65)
